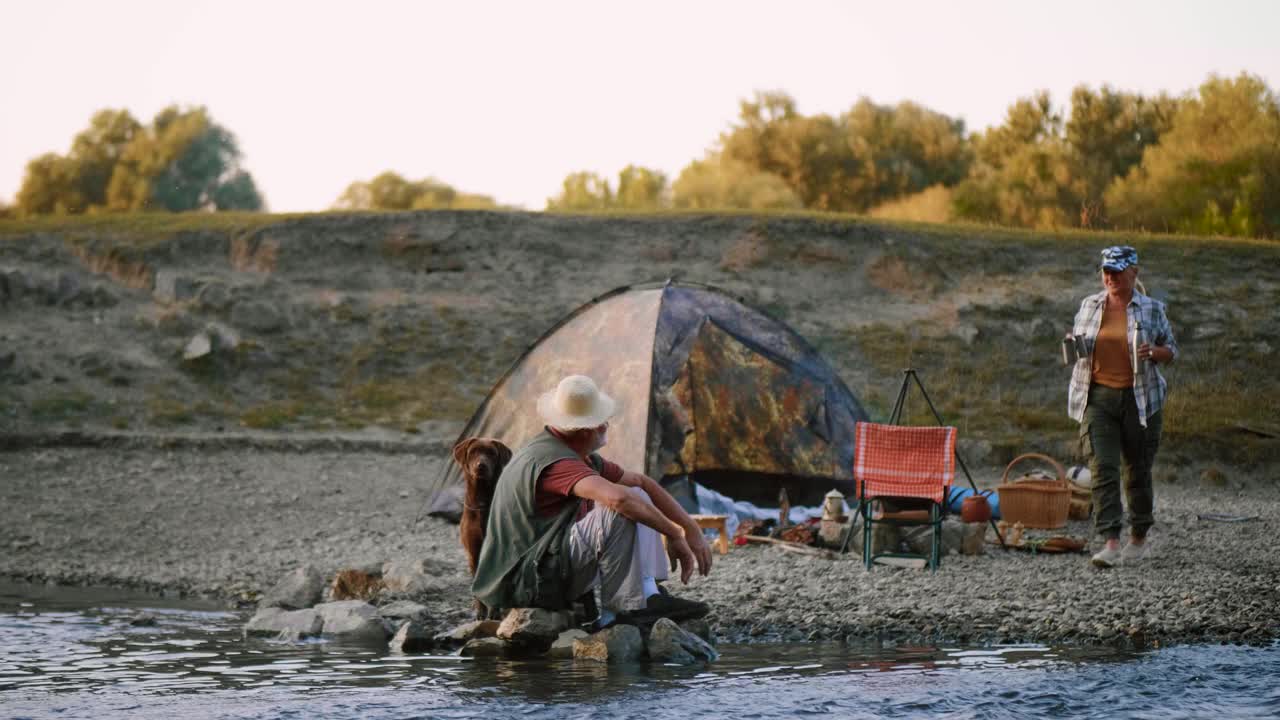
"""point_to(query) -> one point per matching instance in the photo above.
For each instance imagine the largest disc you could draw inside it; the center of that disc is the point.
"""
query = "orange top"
(1111, 364)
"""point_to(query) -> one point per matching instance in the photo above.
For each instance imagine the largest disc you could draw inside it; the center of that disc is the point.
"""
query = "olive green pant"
(1118, 446)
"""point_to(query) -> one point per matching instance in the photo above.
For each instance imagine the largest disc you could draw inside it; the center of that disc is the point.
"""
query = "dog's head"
(482, 461)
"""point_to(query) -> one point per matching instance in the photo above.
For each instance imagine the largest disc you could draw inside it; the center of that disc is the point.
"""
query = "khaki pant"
(609, 551)
(1118, 447)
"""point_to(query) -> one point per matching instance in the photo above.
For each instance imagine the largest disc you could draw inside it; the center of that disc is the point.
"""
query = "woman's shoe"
(1133, 553)
(1107, 557)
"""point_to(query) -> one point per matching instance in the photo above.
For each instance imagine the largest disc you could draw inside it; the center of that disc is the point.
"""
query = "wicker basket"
(1041, 504)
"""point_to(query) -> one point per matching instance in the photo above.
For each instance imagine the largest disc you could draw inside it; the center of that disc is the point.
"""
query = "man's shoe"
(665, 606)
(1133, 552)
(601, 623)
(1106, 558)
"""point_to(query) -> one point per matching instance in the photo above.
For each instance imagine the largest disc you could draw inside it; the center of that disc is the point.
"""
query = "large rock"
(299, 589)
(101, 297)
(172, 286)
(290, 624)
(13, 284)
(617, 644)
(701, 628)
(1213, 477)
(213, 296)
(463, 634)
(197, 347)
(353, 621)
(258, 317)
(533, 626)
(224, 338)
(412, 636)
(67, 290)
(214, 338)
(668, 642)
(884, 538)
(409, 576)
(958, 537)
(831, 533)
(486, 647)
(563, 645)
(403, 610)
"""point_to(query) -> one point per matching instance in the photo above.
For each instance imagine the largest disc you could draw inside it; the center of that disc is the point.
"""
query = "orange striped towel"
(901, 461)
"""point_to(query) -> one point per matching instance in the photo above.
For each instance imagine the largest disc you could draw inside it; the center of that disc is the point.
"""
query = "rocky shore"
(230, 519)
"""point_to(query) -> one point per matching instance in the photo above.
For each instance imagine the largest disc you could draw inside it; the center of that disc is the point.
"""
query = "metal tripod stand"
(896, 416)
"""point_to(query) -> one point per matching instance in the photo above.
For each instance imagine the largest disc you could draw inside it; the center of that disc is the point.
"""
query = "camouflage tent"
(707, 388)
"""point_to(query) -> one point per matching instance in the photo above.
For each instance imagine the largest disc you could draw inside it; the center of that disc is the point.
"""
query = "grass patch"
(64, 405)
(1215, 389)
(984, 389)
(436, 391)
(272, 415)
(142, 230)
(145, 229)
(169, 411)
(932, 205)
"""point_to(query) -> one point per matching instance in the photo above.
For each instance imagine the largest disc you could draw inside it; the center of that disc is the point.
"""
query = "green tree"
(640, 188)
(899, 151)
(868, 155)
(809, 154)
(1106, 136)
(1037, 170)
(190, 157)
(1022, 173)
(238, 192)
(582, 191)
(1216, 170)
(181, 162)
(49, 186)
(707, 185)
(391, 191)
(98, 149)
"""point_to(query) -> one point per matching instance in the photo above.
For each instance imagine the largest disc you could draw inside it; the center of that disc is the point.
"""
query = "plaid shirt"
(1148, 385)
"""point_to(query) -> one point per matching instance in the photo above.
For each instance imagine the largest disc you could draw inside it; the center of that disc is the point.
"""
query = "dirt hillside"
(397, 324)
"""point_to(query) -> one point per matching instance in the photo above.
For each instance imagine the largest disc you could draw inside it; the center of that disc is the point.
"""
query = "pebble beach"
(228, 521)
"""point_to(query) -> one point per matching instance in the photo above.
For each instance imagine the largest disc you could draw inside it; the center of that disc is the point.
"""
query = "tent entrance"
(760, 489)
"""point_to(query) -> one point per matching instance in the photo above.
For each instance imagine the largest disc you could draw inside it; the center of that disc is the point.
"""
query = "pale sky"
(507, 98)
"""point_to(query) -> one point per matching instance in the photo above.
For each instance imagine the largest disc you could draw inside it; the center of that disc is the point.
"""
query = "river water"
(93, 653)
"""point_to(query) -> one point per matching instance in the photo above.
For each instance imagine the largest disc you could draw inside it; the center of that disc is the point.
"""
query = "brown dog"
(482, 461)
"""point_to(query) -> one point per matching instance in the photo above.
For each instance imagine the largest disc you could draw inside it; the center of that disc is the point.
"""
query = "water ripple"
(91, 662)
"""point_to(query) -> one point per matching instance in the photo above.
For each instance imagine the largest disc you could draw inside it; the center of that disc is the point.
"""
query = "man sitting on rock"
(564, 520)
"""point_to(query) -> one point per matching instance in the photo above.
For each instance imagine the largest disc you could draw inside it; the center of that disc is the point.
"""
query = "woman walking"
(1116, 394)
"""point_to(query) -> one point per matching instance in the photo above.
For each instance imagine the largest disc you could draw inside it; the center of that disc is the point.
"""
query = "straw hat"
(576, 403)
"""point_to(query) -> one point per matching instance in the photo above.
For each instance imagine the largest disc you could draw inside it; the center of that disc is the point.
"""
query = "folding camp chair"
(903, 464)
(899, 406)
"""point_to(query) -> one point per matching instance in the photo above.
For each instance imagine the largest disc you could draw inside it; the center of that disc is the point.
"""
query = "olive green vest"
(524, 561)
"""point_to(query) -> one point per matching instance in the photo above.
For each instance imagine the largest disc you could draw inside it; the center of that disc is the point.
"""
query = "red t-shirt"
(555, 485)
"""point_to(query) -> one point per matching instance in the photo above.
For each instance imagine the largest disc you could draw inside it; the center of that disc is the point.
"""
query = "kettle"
(833, 506)
(976, 508)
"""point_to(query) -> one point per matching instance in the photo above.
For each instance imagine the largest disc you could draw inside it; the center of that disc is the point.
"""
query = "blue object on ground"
(957, 495)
